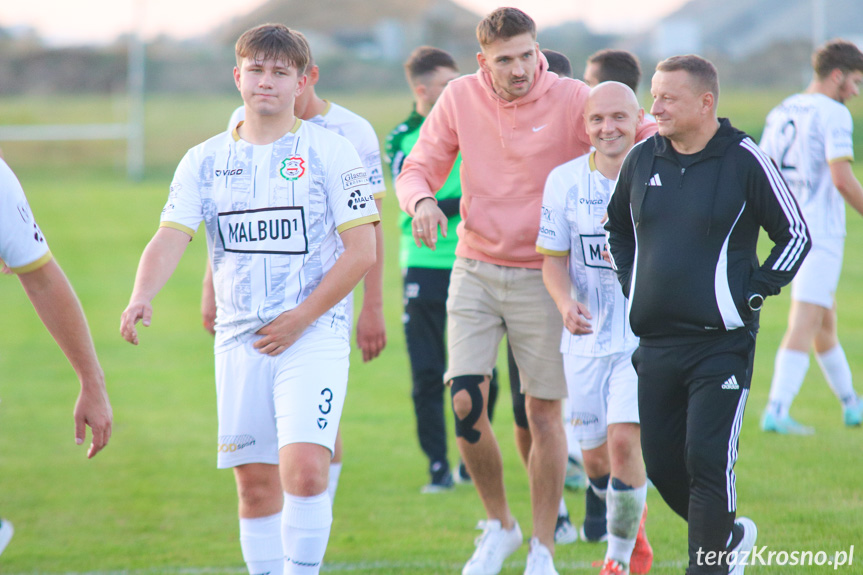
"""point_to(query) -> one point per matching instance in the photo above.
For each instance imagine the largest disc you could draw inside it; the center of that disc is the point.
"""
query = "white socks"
(261, 542)
(306, 523)
(290, 542)
(333, 482)
(837, 372)
(625, 507)
(789, 371)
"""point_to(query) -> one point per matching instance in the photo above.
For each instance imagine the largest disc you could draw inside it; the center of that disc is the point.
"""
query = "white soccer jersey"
(271, 215)
(353, 127)
(573, 206)
(22, 245)
(804, 135)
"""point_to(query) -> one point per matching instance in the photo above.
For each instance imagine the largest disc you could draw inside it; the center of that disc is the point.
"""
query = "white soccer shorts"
(602, 390)
(818, 276)
(265, 403)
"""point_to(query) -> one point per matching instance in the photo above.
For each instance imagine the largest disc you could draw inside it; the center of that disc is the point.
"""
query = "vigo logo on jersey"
(592, 247)
(265, 231)
(234, 172)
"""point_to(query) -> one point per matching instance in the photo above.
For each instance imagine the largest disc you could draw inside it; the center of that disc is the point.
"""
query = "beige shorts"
(485, 301)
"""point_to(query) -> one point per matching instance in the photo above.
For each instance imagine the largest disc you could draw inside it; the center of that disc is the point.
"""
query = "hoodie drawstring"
(500, 125)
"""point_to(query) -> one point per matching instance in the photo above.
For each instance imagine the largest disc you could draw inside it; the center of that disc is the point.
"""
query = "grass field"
(153, 501)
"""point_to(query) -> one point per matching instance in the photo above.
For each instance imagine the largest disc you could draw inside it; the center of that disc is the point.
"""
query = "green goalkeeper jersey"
(398, 145)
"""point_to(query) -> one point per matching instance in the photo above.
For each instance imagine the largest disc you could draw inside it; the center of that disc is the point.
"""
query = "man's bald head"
(615, 91)
(612, 115)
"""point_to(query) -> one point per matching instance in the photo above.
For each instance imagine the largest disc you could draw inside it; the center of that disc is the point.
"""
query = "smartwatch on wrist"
(755, 301)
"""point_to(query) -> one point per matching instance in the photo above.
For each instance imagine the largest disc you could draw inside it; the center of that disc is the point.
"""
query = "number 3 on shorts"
(327, 405)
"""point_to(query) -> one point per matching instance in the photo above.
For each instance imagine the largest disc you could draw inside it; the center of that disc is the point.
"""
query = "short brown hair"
(558, 63)
(703, 71)
(427, 59)
(617, 66)
(503, 24)
(276, 42)
(838, 53)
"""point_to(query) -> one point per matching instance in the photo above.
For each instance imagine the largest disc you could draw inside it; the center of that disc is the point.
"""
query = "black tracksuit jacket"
(682, 231)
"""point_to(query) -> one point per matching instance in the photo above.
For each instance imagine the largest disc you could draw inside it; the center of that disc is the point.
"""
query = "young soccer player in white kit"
(809, 137)
(597, 342)
(273, 194)
(371, 329)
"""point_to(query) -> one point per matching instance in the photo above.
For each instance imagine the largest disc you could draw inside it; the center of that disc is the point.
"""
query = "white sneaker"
(565, 532)
(539, 560)
(492, 548)
(750, 533)
(6, 532)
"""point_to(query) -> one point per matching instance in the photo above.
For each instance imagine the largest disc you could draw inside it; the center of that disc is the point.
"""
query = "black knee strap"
(464, 427)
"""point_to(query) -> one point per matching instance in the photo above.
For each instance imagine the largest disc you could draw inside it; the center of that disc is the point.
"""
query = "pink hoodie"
(508, 150)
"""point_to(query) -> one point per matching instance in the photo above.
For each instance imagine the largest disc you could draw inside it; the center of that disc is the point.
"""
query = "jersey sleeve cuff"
(180, 227)
(380, 195)
(33, 266)
(841, 159)
(548, 252)
(373, 219)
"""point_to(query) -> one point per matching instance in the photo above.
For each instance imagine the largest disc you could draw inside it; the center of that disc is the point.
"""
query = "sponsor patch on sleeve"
(354, 178)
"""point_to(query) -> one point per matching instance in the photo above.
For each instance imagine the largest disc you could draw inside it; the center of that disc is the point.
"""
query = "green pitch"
(153, 502)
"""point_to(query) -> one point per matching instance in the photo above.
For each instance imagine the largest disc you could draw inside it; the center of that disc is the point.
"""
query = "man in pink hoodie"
(513, 122)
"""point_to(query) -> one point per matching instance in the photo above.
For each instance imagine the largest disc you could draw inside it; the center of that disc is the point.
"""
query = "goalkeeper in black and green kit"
(426, 272)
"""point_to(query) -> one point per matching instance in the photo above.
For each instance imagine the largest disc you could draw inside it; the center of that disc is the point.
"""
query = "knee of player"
(255, 494)
(466, 395)
(544, 416)
(305, 484)
(467, 405)
(706, 460)
(428, 384)
(625, 443)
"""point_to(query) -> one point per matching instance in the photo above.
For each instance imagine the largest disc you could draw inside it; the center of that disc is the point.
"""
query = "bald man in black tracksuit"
(683, 224)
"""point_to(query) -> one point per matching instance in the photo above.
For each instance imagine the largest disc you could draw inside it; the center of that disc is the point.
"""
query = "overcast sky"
(98, 21)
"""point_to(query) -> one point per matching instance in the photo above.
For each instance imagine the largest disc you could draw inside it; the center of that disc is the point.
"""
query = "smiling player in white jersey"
(371, 329)
(288, 217)
(597, 342)
(809, 137)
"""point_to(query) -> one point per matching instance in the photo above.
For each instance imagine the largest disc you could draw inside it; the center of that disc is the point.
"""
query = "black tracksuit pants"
(691, 399)
(425, 328)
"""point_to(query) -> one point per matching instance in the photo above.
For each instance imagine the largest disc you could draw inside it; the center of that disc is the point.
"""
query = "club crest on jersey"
(293, 168)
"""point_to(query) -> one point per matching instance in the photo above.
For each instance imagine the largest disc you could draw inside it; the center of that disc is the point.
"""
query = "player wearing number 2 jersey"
(273, 194)
(809, 137)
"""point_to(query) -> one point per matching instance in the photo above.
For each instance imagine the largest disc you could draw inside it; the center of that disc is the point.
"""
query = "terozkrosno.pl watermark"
(764, 556)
